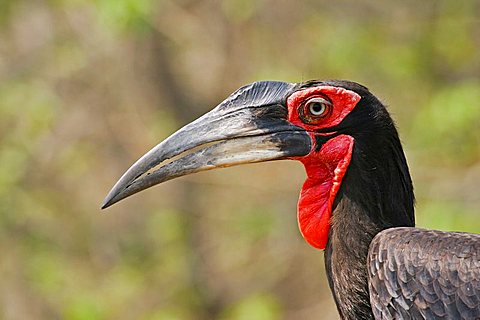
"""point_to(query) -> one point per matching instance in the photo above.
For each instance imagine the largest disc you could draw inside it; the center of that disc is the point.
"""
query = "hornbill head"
(315, 122)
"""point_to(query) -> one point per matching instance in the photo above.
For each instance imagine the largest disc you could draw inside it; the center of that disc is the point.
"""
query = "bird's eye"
(315, 109)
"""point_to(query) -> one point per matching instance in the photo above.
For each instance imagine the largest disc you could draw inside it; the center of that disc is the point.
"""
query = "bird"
(356, 204)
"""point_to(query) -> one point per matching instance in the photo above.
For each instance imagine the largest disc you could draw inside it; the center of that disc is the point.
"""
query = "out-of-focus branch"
(184, 110)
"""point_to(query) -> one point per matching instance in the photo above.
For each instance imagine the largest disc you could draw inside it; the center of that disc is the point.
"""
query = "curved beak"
(249, 126)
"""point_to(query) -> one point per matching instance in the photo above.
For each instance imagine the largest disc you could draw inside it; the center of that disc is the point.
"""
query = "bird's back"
(424, 274)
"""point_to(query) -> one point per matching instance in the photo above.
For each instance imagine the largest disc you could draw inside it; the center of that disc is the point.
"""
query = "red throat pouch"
(325, 171)
(325, 167)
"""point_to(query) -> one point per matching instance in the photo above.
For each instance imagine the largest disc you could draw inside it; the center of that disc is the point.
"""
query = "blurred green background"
(86, 87)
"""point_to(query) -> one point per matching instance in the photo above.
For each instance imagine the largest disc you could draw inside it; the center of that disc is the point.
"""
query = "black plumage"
(376, 202)
(424, 274)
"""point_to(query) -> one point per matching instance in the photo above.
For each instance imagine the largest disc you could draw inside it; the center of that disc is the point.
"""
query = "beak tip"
(106, 203)
(109, 200)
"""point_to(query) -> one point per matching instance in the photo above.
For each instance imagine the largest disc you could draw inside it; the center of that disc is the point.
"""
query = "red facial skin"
(325, 168)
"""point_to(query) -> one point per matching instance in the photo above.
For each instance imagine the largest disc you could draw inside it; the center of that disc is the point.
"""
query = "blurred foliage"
(127, 15)
(453, 118)
(88, 86)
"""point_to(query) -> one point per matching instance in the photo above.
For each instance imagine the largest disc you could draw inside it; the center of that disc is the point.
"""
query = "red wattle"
(325, 171)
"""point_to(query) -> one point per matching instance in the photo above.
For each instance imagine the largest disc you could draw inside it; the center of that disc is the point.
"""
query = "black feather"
(376, 194)
(405, 273)
(433, 274)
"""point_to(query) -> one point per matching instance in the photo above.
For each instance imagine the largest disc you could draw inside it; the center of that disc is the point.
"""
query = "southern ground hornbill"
(357, 202)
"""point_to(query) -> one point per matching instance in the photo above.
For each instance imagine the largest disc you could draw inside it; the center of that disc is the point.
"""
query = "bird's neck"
(345, 260)
(376, 194)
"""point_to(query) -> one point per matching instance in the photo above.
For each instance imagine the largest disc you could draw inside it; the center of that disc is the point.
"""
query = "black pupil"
(317, 107)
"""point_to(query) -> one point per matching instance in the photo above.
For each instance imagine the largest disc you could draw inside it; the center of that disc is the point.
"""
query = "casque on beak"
(249, 126)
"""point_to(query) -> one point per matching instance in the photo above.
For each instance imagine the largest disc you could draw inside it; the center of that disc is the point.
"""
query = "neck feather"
(376, 194)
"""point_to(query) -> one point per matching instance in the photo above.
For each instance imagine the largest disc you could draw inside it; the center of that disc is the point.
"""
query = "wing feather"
(424, 274)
